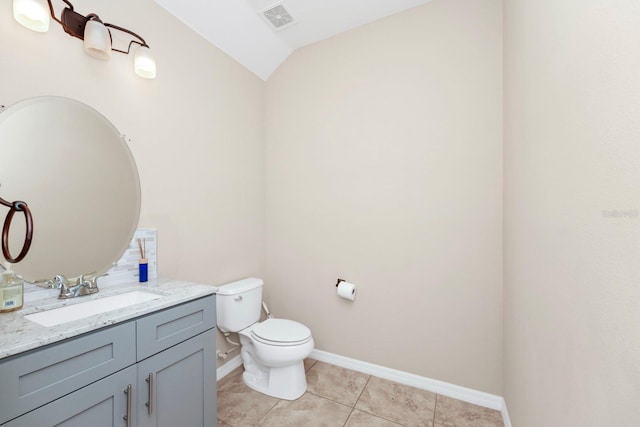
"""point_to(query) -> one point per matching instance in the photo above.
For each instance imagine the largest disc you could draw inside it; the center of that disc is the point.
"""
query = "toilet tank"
(238, 304)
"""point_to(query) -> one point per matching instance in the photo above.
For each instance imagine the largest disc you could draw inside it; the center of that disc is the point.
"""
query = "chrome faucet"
(80, 288)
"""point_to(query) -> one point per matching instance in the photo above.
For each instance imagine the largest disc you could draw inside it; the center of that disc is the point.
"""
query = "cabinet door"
(177, 387)
(41, 376)
(101, 404)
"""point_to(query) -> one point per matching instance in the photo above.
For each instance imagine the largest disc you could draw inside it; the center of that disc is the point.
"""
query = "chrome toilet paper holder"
(340, 280)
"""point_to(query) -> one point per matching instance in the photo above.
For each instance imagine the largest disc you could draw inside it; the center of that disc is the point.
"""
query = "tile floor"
(339, 397)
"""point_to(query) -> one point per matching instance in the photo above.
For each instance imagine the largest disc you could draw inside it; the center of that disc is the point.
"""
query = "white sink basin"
(81, 310)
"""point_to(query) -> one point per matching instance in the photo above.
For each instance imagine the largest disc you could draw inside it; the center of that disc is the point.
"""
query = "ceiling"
(238, 27)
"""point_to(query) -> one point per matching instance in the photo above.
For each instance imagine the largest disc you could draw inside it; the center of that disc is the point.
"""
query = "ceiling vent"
(277, 17)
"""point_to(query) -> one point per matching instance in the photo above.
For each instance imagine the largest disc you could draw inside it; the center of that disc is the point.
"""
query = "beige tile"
(308, 364)
(456, 413)
(223, 424)
(335, 383)
(402, 404)
(308, 411)
(362, 419)
(238, 405)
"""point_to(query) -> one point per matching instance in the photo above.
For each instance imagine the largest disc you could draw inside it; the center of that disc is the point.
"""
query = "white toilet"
(273, 350)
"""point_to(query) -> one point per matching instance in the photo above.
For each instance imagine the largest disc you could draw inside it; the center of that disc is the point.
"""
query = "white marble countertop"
(18, 334)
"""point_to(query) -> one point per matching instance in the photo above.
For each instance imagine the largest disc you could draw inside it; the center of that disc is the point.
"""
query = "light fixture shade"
(33, 14)
(97, 40)
(144, 63)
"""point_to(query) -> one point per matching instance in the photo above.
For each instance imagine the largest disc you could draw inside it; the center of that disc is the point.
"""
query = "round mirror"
(74, 170)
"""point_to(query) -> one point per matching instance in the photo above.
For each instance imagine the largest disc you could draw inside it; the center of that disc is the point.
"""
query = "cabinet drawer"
(167, 328)
(38, 377)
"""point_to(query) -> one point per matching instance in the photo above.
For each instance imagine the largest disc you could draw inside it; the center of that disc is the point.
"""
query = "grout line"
(348, 416)
(271, 409)
(353, 408)
(381, 417)
(312, 365)
(435, 406)
(365, 386)
(367, 412)
(328, 398)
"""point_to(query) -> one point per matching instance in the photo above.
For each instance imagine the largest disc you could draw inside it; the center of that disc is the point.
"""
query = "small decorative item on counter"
(144, 270)
(143, 265)
(11, 291)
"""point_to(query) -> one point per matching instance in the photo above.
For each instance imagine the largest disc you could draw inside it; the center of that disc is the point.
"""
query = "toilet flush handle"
(238, 298)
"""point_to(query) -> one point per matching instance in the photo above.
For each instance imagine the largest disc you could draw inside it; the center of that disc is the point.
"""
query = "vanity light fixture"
(96, 34)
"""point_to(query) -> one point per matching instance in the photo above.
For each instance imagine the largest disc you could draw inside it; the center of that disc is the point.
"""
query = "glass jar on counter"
(11, 292)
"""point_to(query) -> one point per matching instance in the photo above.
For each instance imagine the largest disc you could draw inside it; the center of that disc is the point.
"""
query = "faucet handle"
(62, 283)
(91, 284)
(60, 280)
(52, 283)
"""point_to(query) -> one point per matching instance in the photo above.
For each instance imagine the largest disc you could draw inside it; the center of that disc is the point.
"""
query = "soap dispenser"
(11, 291)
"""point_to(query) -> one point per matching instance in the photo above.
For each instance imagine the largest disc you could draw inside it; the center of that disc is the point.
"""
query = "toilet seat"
(282, 332)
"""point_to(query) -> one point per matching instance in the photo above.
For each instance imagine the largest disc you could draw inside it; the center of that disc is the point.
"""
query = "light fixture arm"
(53, 13)
(131, 33)
(74, 23)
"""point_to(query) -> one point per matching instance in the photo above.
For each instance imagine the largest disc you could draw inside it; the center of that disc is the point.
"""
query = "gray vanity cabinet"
(156, 370)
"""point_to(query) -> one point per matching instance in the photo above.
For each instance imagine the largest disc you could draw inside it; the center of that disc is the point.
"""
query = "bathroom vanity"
(147, 364)
(128, 355)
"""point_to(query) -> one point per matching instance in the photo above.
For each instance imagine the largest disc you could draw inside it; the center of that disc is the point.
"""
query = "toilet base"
(287, 383)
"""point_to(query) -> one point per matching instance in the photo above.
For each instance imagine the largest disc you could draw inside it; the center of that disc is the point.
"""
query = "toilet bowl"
(273, 360)
(272, 350)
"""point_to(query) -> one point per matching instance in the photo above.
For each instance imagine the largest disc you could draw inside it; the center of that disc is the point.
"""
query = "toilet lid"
(281, 330)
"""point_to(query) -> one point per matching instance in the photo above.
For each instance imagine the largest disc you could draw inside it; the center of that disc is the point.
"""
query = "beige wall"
(572, 273)
(197, 131)
(384, 168)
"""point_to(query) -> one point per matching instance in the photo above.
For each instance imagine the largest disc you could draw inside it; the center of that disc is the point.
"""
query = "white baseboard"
(505, 414)
(228, 367)
(476, 397)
